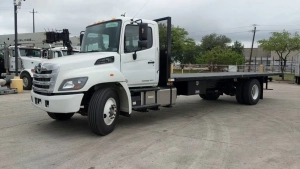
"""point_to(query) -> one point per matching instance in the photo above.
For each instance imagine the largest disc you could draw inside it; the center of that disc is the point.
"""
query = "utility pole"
(16, 6)
(16, 38)
(252, 46)
(33, 19)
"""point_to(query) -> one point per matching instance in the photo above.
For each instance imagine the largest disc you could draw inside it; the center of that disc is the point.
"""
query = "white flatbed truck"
(124, 66)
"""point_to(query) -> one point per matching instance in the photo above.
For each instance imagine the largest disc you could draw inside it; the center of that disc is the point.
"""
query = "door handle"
(151, 62)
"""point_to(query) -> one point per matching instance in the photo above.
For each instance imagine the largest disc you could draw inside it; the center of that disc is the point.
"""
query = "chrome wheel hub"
(25, 81)
(255, 92)
(110, 111)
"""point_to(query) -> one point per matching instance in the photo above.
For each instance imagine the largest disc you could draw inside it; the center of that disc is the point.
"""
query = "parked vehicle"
(33, 51)
(124, 66)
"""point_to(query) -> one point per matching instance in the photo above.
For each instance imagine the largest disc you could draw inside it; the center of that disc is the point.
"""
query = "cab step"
(145, 107)
(144, 89)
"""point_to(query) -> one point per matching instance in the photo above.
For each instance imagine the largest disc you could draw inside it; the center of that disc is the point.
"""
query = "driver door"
(142, 70)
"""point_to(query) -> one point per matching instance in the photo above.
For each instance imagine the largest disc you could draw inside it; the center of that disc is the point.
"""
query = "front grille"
(42, 86)
(44, 72)
(44, 80)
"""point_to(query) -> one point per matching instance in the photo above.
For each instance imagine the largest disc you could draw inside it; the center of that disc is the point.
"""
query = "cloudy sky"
(234, 19)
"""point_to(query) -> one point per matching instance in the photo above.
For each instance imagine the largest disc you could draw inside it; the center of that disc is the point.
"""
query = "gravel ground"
(193, 134)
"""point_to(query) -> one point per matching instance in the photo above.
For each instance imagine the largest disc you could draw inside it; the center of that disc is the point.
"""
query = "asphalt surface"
(193, 134)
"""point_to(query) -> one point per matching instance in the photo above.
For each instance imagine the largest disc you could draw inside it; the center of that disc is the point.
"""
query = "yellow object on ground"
(17, 83)
(261, 68)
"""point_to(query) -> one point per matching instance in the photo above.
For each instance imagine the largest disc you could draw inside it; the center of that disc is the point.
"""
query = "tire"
(239, 92)
(252, 86)
(27, 81)
(203, 96)
(99, 111)
(61, 116)
(210, 96)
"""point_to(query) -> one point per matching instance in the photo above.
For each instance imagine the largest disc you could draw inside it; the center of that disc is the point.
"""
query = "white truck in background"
(32, 50)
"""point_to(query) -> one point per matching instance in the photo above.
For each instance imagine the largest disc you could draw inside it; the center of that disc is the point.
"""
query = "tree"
(221, 56)
(282, 43)
(213, 40)
(238, 47)
(183, 48)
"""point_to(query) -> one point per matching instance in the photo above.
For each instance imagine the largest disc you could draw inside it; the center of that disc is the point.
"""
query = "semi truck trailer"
(124, 67)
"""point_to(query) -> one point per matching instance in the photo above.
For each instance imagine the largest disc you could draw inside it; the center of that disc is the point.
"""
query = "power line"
(221, 29)
(222, 33)
(141, 8)
(33, 19)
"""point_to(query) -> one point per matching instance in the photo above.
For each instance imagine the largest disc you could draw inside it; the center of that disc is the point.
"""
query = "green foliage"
(221, 56)
(238, 47)
(213, 40)
(283, 43)
(183, 48)
(213, 48)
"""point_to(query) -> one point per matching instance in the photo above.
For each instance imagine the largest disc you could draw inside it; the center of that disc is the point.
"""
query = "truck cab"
(115, 55)
(28, 57)
(57, 52)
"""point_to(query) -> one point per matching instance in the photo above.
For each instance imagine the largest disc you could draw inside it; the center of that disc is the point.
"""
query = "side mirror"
(143, 44)
(143, 35)
(143, 31)
(81, 36)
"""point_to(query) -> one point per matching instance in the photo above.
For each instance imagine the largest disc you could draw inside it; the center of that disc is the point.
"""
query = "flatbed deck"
(219, 75)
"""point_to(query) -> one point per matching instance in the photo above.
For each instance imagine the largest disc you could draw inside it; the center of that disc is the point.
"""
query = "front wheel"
(27, 81)
(61, 116)
(104, 110)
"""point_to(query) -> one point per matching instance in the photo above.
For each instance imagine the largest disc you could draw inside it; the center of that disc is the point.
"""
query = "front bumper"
(57, 104)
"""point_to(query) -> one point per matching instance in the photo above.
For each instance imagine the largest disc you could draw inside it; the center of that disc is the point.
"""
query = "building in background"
(269, 59)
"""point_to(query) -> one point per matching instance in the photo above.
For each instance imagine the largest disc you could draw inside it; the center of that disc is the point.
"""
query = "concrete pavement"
(193, 134)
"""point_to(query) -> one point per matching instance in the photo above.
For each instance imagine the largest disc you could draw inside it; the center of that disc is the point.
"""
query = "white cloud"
(198, 17)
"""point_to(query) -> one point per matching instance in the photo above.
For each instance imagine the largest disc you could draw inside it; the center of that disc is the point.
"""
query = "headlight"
(73, 84)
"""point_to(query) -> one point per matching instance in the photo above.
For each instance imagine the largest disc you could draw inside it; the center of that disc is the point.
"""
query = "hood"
(34, 58)
(80, 60)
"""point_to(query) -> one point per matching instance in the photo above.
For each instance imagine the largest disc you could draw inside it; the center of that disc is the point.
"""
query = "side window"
(131, 38)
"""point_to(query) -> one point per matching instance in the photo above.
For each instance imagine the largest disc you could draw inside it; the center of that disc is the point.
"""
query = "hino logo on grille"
(39, 68)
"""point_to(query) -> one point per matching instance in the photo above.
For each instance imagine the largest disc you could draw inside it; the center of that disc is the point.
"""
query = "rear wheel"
(252, 92)
(61, 116)
(104, 110)
(210, 96)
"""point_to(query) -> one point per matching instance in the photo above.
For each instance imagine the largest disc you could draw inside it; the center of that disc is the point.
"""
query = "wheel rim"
(110, 111)
(25, 82)
(255, 92)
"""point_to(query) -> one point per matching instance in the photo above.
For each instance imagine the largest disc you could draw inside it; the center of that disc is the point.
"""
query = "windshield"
(30, 52)
(103, 37)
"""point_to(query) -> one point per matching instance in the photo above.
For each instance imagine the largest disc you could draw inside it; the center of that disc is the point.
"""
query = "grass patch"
(287, 77)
